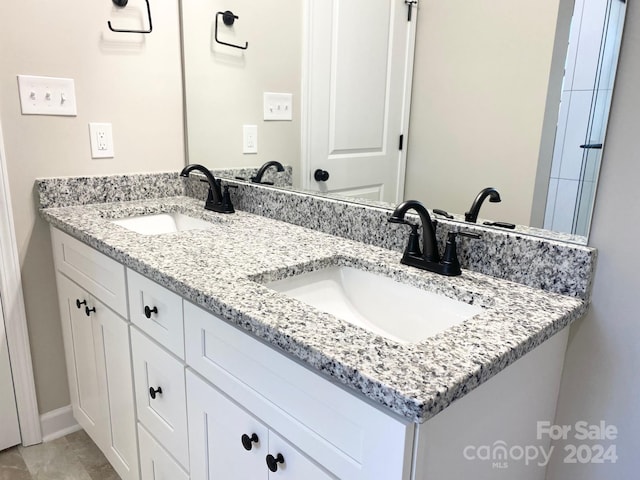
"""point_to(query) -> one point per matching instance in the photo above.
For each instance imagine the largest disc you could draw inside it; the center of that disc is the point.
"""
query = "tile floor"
(74, 457)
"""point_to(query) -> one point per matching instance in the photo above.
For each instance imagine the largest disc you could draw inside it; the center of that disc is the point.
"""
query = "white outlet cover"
(249, 139)
(47, 95)
(101, 135)
(278, 106)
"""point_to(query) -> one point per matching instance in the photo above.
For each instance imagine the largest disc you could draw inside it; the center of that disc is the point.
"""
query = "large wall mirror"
(511, 95)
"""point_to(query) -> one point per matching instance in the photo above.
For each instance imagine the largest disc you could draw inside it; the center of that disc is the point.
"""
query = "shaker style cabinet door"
(99, 371)
(226, 442)
(113, 358)
(155, 462)
(160, 395)
(79, 349)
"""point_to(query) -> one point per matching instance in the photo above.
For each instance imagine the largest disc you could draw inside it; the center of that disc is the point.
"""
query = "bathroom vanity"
(185, 362)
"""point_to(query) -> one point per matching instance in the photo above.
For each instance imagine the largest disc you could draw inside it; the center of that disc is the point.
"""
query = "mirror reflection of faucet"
(428, 258)
(472, 215)
(257, 178)
(494, 197)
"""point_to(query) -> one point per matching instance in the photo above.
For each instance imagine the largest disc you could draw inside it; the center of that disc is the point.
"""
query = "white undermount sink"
(394, 310)
(159, 223)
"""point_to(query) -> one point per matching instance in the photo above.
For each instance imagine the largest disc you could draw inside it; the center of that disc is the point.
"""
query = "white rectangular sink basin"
(159, 223)
(397, 311)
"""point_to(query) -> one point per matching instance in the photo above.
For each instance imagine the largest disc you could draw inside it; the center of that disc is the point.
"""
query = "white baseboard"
(58, 423)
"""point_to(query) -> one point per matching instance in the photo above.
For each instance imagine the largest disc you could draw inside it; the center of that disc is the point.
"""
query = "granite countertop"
(223, 269)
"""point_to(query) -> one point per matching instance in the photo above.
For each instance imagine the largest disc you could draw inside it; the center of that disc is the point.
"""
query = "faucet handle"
(227, 206)
(450, 257)
(443, 213)
(413, 246)
(475, 236)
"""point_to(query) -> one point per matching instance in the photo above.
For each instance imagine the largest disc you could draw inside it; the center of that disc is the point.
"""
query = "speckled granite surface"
(547, 263)
(223, 270)
(67, 191)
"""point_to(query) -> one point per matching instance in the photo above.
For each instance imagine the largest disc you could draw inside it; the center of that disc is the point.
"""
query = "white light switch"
(101, 135)
(249, 139)
(278, 106)
(47, 95)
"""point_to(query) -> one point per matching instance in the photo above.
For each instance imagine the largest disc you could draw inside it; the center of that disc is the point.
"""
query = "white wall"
(482, 71)
(131, 81)
(225, 86)
(601, 379)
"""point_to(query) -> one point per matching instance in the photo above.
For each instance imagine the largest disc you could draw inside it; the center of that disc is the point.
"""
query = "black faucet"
(257, 178)
(216, 200)
(430, 259)
(494, 197)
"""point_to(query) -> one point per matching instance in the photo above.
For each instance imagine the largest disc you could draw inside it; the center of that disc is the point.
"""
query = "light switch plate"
(47, 95)
(101, 135)
(278, 106)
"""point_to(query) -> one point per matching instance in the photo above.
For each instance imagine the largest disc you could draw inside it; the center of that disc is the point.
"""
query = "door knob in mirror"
(321, 175)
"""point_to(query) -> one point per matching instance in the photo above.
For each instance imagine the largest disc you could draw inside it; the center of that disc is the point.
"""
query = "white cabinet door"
(155, 462)
(226, 442)
(113, 360)
(99, 370)
(77, 330)
(160, 395)
(216, 429)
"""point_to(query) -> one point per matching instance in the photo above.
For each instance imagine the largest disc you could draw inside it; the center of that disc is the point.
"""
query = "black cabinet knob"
(272, 462)
(321, 175)
(148, 311)
(153, 392)
(80, 303)
(248, 441)
(88, 310)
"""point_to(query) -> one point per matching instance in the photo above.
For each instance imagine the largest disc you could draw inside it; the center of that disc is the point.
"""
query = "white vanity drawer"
(342, 432)
(97, 273)
(157, 312)
(155, 462)
(160, 395)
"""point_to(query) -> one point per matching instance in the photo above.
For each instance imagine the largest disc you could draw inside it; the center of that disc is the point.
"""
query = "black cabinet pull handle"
(153, 392)
(248, 441)
(272, 462)
(80, 303)
(148, 311)
(88, 310)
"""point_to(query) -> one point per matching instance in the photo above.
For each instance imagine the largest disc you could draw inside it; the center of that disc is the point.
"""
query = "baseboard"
(58, 423)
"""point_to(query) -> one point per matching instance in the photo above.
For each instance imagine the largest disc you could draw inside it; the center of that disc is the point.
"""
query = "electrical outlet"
(101, 135)
(249, 139)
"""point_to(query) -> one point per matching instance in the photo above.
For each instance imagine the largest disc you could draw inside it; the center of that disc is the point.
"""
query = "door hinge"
(401, 142)
(410, 4)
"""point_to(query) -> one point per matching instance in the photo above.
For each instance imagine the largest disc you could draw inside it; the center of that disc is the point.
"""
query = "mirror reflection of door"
(360, 59)
(594, 42)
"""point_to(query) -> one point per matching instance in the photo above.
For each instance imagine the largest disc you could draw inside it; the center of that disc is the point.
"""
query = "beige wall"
(482, 71)
(601, 380)
(132, 81)
(225, 86)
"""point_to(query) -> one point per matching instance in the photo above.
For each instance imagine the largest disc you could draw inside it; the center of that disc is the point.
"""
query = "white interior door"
(358, 68)
(9, 427)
